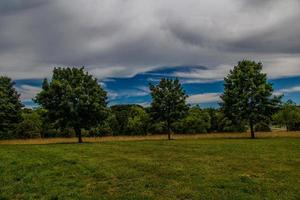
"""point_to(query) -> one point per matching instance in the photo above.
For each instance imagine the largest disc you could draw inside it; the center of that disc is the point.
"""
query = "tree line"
(72, 103)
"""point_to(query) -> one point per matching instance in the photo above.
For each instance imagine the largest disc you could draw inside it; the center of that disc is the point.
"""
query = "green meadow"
(155, 169)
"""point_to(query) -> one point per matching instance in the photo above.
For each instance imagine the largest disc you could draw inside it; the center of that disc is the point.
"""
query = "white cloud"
(144, 89)
(28, 92)
(144, 104)
(288, 90)
(204, 98)
(112, 94)
(204, 75)
(139, 92)
(283, 66)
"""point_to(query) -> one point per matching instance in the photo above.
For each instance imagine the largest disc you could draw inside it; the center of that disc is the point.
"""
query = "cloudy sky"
(127, 43)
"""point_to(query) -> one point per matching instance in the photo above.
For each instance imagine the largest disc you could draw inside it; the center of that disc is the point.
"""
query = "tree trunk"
(169, 130)
(252, 130)
(78, 134)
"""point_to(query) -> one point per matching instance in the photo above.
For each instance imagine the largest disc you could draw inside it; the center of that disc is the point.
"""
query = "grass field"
(153, 169)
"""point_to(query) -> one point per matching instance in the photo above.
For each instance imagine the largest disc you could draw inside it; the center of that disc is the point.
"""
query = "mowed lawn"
(154, 169)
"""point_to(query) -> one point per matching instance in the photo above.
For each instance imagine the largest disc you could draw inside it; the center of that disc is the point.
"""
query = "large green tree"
(288, 116)
(74, 99)
(10, 107)
(168, 102)
(248, 95)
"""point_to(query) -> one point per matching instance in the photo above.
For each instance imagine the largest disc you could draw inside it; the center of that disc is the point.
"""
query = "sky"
(128, 43)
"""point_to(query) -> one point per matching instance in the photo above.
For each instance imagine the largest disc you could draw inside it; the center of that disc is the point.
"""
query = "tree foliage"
(248, 96)
(131, 120)
(196, 121)
(32, 124)
(221, 123)
(168, 102)
(74, 103)
(74, 99)
(10, 108)
(288, 116)
(138, 121)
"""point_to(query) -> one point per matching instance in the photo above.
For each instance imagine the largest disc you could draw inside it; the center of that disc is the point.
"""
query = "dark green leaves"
(288, 116)
(168, 101)
(247, 94)
(73, 98)
(10, 108)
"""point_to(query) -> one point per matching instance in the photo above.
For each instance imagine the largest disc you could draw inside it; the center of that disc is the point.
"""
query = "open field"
(274, 134)
(153, 169)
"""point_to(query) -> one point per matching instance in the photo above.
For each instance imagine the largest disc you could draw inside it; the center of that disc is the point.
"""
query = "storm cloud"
(126, 37)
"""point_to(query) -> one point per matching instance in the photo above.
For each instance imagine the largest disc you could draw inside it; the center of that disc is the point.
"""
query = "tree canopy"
(74, 103)
(288, 116)
(196, 121)
(168, 102)
(74, 99)
(248, 95)
(10, 107)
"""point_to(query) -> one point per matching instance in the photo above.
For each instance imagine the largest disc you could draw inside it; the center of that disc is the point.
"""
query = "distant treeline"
(136, 120)
(74, 104)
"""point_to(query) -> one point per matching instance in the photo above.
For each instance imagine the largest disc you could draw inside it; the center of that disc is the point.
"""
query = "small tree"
(73, 99)
(288, 116)
(248, 96)
(10, 107)
(168, 102)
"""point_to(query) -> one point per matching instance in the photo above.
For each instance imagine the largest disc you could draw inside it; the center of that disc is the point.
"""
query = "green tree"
(227, 125)
(138, 121)
(168, 102)
(156, 127)
(197, 121)
(74, 99)
(248, 95)
(121, 113)
(288, 116)
(107, 126)
(131, 120)
(213, 115)
(10, 108)
(31, 126)
(220, 123)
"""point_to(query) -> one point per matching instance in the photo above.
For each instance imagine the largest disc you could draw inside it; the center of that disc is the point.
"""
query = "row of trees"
(74, 103)
(136, 120)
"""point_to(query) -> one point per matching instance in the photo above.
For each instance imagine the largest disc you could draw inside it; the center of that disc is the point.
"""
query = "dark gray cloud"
(14, 6)
(121, 38)
(258, 4)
